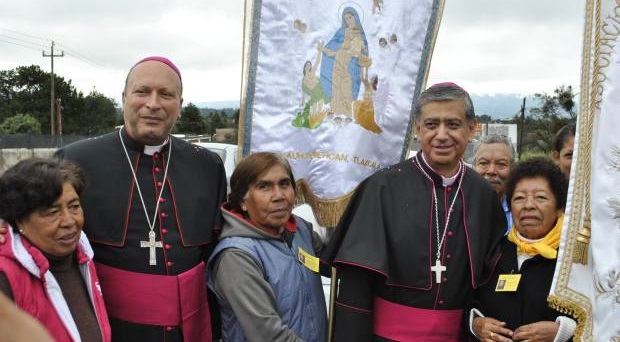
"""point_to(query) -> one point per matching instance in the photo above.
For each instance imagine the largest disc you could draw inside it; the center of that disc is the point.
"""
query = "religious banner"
(330, 85)
(587, 277)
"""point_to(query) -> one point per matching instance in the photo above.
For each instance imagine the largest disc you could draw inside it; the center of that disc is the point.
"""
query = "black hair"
(538, 167)
(249, 169)
(560, 138)
(444, 92)
(35, 183)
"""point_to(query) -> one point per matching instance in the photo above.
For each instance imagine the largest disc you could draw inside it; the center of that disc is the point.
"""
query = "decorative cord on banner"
(580, 254)
(563, 298)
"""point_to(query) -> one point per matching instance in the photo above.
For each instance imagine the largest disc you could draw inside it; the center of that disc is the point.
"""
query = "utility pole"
(520, 146)
(53, 97)
(58, 117)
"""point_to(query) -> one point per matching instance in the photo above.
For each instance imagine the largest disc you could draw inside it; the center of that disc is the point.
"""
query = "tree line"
(25, 104)
(201, 121)
(25, 108)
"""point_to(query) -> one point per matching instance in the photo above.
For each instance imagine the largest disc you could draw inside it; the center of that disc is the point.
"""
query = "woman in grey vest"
(264, 269)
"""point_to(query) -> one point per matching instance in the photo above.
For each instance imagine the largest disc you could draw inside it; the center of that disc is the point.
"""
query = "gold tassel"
(580, 254)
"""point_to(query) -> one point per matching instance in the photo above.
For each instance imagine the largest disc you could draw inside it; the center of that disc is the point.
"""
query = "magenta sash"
(408, 324)
(159, 300)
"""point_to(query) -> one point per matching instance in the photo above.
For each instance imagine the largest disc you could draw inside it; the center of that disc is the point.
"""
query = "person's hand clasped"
(3, 229)
(488, 329)
(544, 331)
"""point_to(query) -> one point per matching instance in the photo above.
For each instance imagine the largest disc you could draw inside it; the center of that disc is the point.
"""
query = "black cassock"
(386, 243)
(116, 224)
(528, 304)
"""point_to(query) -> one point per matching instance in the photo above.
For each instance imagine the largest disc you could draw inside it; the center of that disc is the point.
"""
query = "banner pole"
(333, 288)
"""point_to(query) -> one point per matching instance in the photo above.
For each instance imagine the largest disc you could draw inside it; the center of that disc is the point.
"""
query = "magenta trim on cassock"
(158, 299)
(405, 323)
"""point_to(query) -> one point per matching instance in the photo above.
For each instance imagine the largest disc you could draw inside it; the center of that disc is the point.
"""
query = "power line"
(18, 44)
(39, 46)
(26, 35)
(79, 56)
(70, 52)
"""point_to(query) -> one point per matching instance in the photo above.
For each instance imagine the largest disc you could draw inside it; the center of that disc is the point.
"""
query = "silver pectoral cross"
(438, 268)
(151, 245)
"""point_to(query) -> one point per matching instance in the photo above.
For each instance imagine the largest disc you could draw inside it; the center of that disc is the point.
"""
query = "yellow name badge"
(507, 282)
(310, 261)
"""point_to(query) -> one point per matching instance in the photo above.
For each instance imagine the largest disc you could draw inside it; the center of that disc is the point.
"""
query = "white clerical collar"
(446, 181)
(150, 150)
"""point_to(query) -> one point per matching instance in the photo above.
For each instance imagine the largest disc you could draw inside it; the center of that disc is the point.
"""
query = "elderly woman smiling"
(46, 266)
(264, 269)
(513, 305)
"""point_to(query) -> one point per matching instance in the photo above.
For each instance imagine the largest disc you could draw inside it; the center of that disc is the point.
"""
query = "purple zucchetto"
(161, 60)
(446, 84)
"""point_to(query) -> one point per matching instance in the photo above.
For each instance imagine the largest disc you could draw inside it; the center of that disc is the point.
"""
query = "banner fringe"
(572, 309)
(326, 211)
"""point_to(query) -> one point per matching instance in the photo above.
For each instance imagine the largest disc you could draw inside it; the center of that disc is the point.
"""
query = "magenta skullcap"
(446, 84)
(161, 60)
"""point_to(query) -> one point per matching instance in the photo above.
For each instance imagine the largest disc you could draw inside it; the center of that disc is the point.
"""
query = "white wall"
(10, 156)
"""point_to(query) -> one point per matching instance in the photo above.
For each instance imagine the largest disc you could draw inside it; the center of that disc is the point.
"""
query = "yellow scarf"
(546, 247)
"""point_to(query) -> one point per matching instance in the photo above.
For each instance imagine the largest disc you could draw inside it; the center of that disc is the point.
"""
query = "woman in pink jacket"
(46, 264)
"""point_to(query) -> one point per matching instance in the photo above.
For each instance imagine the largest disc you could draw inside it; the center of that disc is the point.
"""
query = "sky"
(486, 46)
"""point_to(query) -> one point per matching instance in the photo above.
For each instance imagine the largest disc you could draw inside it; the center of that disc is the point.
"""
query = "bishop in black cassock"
(142, 305)
(385, 245)
(151, 208)
(413, 244)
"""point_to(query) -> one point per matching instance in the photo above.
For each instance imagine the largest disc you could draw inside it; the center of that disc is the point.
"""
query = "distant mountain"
(501, 106)
(218, 104)
(206, 111)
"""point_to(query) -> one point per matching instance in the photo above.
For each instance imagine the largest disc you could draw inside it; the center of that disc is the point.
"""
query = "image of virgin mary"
(343, 58)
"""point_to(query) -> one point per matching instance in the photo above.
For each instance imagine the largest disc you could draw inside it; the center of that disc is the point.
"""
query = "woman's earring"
(244, 208)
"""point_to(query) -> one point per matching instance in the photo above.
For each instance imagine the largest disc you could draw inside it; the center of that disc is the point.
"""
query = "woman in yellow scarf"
(512, 305)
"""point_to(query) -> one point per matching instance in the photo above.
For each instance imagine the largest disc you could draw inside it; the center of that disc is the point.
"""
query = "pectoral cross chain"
(438, 268)
(151, 245)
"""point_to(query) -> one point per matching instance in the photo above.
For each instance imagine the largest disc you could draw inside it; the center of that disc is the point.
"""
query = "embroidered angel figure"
(377, 5)
(615, 157)
(614, 205)
(610, 286)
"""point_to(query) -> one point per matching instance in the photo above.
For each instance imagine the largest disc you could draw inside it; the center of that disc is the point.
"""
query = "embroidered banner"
(587, 278)
(330, 84)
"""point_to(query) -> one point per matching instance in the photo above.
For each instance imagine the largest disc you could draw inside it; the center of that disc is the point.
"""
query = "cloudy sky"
(487, 46)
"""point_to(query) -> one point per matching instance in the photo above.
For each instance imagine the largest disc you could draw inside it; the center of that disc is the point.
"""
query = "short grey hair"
(496, 139)
(444, 92)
